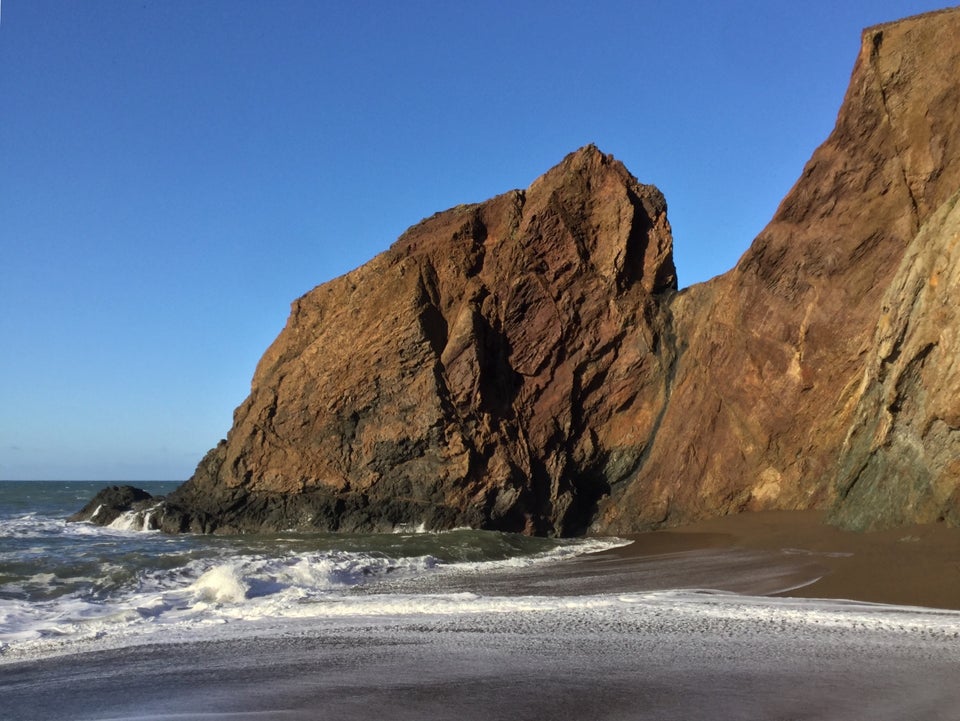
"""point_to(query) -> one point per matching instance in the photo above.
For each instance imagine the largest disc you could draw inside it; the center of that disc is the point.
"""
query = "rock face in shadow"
(527, 363)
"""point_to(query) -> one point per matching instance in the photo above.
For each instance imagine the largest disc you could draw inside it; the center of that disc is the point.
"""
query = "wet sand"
(610, 646)
(914, 565)
(672, 660)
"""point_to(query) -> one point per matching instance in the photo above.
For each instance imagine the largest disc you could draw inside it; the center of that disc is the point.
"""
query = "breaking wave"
(64, 583)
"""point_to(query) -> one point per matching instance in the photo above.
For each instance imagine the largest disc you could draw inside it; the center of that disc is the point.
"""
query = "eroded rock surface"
(499, 366)
(901, 459)
(526, 363)
(772, 354)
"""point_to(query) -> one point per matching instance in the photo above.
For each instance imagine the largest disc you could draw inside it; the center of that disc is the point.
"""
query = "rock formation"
(772, 354)
(900, 462)
(112, 502)
(527, 363)
(497, 367)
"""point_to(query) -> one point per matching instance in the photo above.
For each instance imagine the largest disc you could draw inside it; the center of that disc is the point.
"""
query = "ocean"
(121, 623)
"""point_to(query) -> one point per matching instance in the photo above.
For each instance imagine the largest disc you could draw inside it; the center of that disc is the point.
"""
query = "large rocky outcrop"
(527, 364)
(772, 354)
(499, 366)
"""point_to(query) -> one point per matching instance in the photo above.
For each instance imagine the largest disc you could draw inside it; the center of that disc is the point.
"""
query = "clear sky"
(173, 174)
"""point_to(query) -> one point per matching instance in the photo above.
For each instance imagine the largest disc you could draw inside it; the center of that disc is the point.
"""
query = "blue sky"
(173, 174)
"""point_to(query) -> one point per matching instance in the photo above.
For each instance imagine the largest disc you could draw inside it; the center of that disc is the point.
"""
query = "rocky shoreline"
(528, 363)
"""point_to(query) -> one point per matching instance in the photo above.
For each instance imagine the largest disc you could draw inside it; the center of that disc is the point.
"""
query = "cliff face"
(497, 367)
(527, 364)
(900, 462)
(772, 354)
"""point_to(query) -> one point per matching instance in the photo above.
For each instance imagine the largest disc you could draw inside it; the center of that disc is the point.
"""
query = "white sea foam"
(662, 614)
(127, 521)
(33, 526)
(209, 587)
(29, 525)
(134, 521)
(410, 528)
(221, 584)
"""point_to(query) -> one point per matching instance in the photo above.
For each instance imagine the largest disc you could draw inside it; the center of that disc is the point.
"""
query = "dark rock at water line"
(111, 502)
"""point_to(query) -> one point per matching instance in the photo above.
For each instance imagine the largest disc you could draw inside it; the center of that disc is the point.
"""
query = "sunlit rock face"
(900, 462)
(527, 363)
(494, 368)
(772, 355)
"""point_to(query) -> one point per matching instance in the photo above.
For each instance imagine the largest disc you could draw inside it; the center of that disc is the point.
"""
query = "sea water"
(119, 623)
(62, 583)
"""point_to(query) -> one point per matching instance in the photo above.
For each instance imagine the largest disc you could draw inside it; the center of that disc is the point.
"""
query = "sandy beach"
(913, 565)
(759, 616)
(721, 660)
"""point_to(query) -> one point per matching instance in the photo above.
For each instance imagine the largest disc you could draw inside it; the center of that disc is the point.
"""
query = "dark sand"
(664, 659)
(915, 565)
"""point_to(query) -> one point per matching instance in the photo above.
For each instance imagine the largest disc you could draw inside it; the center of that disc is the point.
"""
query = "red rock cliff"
(526, 364)
(487, 370)
(772, 354)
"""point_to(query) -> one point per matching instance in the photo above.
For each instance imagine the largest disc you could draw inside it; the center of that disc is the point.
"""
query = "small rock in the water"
(110, 503)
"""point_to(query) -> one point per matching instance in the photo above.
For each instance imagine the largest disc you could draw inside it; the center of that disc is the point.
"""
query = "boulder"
(111, 502)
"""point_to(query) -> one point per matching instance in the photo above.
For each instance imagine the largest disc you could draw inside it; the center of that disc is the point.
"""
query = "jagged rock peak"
(622, 222)
(923, 17)
(614, 224)
(914, 64)
(483, 371)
